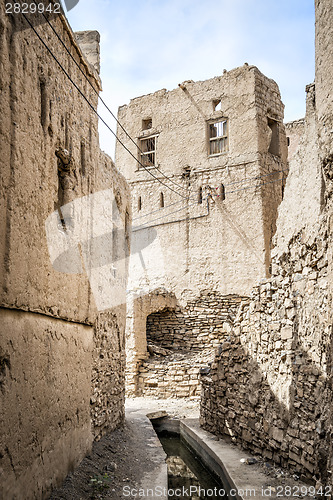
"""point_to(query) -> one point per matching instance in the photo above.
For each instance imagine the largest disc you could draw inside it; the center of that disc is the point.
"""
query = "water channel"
(188, 477)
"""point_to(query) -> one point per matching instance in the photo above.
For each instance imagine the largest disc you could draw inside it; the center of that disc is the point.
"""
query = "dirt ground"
(115, 460)
(118, 458)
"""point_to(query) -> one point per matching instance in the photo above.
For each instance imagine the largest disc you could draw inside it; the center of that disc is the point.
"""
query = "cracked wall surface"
(62, 360)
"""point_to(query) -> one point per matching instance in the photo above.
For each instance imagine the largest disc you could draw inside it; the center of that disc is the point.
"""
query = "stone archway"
(138, 308)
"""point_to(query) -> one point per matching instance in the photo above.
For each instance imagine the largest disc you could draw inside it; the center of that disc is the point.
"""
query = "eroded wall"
(270, 388)
(181, 341)
(53, 337)
(193, 238)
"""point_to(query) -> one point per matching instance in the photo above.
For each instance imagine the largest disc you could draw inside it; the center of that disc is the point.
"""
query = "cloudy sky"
(147, 45)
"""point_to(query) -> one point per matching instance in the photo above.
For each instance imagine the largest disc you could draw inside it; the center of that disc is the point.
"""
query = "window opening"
(148, 151)
(83, 158)
(200, 195)
(274, 146)
(222, 192)
(147, 124)
(139, 203)
(218, 138)
(161, 200)
(217, 105)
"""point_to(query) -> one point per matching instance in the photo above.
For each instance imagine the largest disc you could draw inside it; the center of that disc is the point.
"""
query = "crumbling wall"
(181, 342)
(51, 347)
(324, 74)
(270, 389)
(294, 132)
(108, 374)
(303, 194)
(194, 326)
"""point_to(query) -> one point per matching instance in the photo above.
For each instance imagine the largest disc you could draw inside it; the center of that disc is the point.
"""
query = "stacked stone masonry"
(270, 388)
(181, 342)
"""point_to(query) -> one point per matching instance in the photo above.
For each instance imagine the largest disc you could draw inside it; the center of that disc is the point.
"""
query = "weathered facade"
(220, 146)
(270, 387)
(62, 359)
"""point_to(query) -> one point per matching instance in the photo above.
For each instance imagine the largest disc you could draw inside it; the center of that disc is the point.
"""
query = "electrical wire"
(101, 99)
(170, 213)
(95, 111)
(109, 128)
(212, 194)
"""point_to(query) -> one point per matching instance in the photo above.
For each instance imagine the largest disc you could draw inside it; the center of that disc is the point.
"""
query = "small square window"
(218, 137)
(148, 151)
(217, 105)
(147, 124)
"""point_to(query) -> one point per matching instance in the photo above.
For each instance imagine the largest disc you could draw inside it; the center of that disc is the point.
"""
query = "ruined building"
(207, 170)
(270, 386)
(61, 350)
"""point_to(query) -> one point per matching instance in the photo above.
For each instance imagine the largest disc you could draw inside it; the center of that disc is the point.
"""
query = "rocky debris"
(183, 341)
(155, 349)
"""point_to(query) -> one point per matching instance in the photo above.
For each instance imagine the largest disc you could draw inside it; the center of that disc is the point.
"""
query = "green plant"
(100, 484)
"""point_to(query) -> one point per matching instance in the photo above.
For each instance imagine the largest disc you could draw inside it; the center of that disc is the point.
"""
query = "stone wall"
(107, 399)
(62, 366)
(198, 324)
(269, 389)
(181, 341)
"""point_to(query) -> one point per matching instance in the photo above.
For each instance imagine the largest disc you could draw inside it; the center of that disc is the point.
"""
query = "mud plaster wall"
(294, 132)
(324, 74)
(50, 345)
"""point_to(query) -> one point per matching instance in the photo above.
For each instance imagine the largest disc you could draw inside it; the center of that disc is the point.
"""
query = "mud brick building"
(223, 145)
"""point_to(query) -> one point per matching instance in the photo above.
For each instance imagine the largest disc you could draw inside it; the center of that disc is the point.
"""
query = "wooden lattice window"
(148, 151)
(218, 137)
